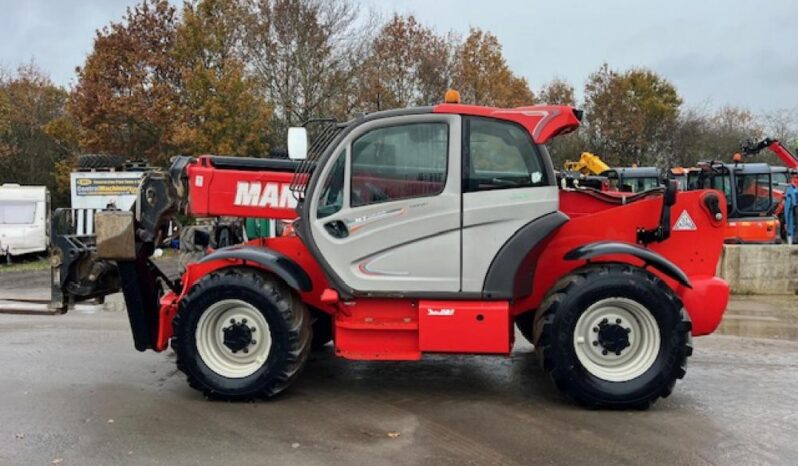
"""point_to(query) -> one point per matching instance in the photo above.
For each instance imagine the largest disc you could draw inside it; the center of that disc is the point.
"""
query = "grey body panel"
(280, 265)
(406, 245)
(491, 218)
(511, 273)
(604, 248)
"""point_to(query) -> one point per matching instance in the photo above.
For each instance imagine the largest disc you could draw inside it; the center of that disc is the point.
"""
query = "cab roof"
(739, 168)
(635, 172)
(543, 122)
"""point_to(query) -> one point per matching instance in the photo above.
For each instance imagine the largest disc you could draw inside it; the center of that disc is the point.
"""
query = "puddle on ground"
(761, 317)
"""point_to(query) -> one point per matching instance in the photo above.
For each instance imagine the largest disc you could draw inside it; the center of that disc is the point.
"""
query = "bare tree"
(305, 54)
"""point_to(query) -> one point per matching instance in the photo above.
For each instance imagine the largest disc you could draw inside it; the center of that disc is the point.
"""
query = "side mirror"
(670, 192)
(297, 143)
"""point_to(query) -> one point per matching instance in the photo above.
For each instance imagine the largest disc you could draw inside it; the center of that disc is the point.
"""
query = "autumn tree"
(557, 92)
(31, 107)
(630, 114)
(408, 65)
(482, 75)
(221, 111)
(305, 55)
(126, 95)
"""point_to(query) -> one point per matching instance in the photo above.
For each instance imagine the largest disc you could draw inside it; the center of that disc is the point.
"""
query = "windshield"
(781, 180)
(17, 212)
(753, 192)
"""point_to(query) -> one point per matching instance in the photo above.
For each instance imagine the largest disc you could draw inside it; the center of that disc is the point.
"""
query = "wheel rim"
(617, 339)
(233, 338)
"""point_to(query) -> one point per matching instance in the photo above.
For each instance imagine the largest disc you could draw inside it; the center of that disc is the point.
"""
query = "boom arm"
(774, 145)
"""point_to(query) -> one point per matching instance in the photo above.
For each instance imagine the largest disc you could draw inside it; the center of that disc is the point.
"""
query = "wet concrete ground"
(74, 391)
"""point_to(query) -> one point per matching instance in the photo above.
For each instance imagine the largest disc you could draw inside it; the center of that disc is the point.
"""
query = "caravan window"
(17, 212)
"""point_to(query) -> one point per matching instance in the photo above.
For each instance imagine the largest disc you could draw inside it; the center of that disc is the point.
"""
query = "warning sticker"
(684, 223)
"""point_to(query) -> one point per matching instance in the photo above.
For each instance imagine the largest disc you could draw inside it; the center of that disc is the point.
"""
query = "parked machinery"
(420, 231)
(749, 195)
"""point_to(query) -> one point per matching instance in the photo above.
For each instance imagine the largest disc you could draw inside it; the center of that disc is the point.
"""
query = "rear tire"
(217, 348)
(613, 336)
(89, 161)
(523, 322)
(322, 329)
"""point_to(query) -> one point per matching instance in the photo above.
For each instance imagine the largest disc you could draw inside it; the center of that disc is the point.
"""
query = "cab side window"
(331, 199)
(500, 155)
(399, 162)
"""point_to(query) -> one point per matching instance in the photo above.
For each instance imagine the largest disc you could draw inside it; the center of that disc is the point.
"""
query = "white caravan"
(23, 219)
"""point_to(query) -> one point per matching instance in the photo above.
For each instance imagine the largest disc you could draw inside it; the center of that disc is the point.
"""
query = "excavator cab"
(749, 195)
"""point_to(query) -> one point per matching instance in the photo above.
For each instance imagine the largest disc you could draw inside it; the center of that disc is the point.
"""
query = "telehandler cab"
(425, 230)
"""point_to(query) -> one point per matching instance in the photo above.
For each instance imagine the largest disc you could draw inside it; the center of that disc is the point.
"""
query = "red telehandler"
(424, 230)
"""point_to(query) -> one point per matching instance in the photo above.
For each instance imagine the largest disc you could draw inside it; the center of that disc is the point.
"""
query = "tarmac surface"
(74, 391)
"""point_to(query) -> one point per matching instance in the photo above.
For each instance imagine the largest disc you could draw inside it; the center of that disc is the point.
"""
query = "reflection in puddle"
(762, 317)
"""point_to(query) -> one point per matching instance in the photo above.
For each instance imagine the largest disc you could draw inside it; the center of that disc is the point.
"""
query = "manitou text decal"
(256, 194)
(440, 312)
(684, 223)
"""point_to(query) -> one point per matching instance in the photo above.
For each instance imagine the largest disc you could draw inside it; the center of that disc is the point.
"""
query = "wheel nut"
(595, 329)
(595, 342)
(243, 321)
(629, 330)
(232, 321)
(618, 353)
(604, 352)
(617, 321)
(253, 342)
(252, 329)
(245, 350)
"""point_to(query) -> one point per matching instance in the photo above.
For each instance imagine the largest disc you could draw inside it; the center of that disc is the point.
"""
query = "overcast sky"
(716, 52)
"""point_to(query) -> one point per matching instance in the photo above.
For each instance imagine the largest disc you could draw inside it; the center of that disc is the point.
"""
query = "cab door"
(507, 183)
(385, 216)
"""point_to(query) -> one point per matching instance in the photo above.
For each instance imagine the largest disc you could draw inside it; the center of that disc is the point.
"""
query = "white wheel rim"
(210, 338)
(643, 339)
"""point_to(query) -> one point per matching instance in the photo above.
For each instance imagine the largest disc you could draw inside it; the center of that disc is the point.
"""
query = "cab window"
(753, 192)
(399, 162)
(500, 155)
(331, 199)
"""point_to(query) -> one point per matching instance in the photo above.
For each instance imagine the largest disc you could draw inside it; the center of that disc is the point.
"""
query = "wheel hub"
(616, 339)
(613, 337)
(238, 336)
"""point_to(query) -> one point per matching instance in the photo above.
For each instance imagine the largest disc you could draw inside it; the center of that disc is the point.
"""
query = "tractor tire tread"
(291, 309)
(544, 329)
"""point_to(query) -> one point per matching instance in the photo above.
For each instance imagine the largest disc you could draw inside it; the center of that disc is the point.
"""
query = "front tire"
(613, 336)
(240, 334)
(322, 329)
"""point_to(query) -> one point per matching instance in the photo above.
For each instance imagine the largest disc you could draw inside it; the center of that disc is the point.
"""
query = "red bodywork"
(404, 328)
(789, 159)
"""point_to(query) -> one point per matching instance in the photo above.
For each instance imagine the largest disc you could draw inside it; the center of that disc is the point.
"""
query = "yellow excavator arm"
(588, 164)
